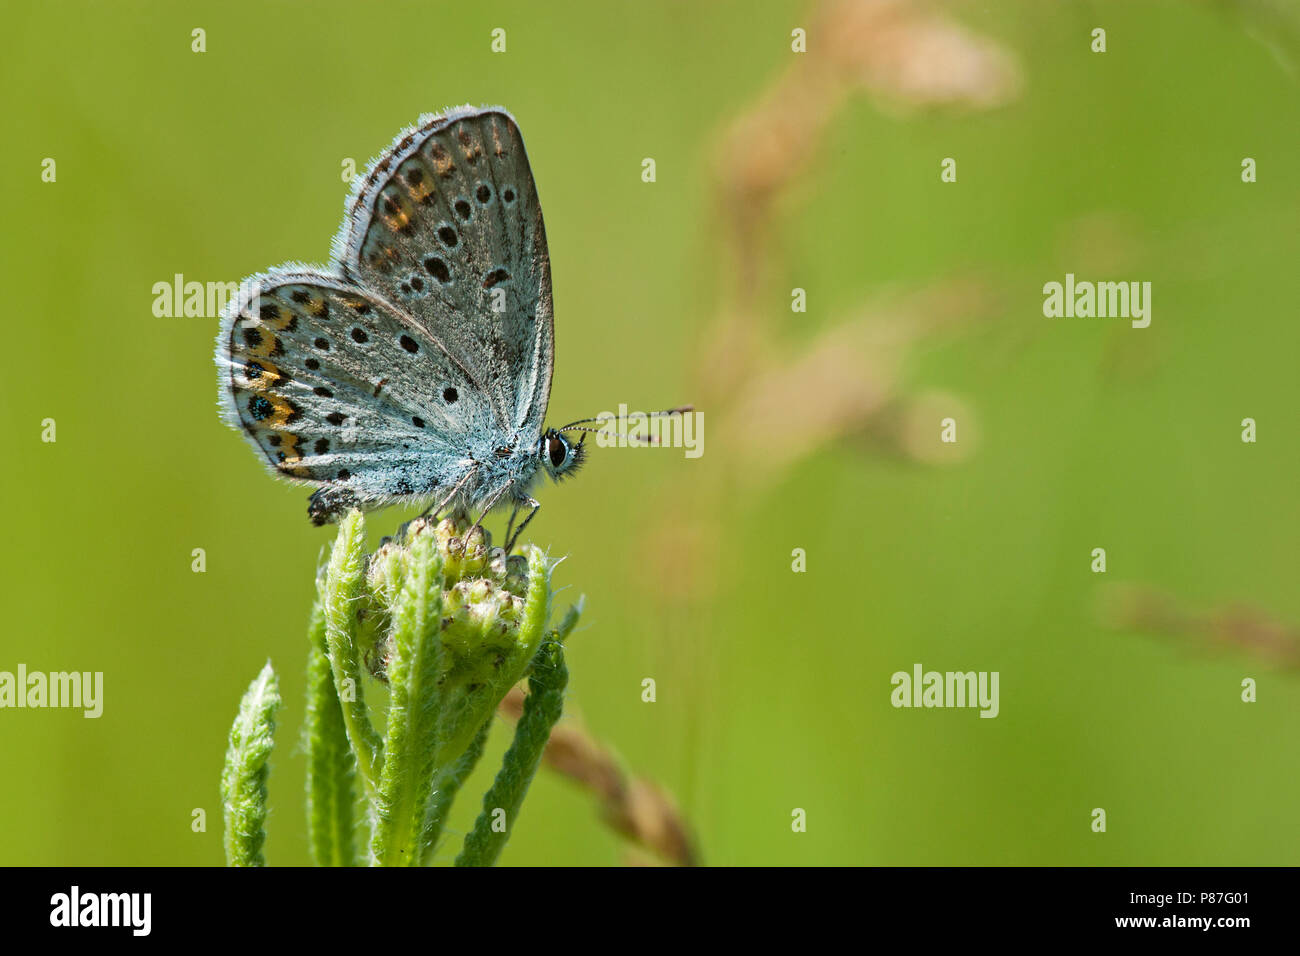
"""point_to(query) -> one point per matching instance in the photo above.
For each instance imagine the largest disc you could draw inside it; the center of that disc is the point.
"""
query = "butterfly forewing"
(448, 227)
(333, 385)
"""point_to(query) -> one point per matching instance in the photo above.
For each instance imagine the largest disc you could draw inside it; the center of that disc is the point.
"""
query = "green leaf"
(343, 580)
(411, 741)
(243, 782)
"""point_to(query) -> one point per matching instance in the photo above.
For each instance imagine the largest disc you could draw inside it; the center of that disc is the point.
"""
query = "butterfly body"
(417, 366)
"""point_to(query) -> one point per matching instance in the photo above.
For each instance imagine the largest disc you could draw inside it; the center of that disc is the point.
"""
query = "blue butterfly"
(417, 367)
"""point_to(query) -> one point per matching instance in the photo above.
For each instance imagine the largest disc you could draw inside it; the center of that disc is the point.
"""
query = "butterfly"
(417, 366)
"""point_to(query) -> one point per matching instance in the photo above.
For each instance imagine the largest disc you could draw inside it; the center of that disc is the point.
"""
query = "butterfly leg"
(514, 513)
(487, 508)
(511, 539)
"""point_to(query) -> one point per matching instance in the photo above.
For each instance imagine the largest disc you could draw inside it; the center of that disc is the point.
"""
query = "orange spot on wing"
(268, 345)
(270, 378)
(442, 163)
(291, 448)
(282, 412)
(469, 145)
(280, 322)
(419, 191)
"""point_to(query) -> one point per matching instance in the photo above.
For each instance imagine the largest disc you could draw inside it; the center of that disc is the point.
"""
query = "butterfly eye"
(557, 451)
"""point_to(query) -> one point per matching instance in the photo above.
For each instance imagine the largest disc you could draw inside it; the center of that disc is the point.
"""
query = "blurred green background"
(773, 686)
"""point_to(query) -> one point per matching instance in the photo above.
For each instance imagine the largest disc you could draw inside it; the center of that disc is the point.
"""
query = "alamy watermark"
(1122, 300)
(624, 429)
(84, 690)
(199, 300)
(922, 688)
(75, 908)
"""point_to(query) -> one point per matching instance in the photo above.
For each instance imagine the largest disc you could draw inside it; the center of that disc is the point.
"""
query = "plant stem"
(330, 765)
(448, 784)
(501, 803)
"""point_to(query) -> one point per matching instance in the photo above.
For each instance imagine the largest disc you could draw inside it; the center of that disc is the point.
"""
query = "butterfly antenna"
(649, 440)
(667, 411)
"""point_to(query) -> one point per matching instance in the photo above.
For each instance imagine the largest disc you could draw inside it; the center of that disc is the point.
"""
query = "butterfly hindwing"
(334, 386)
(447, 226)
